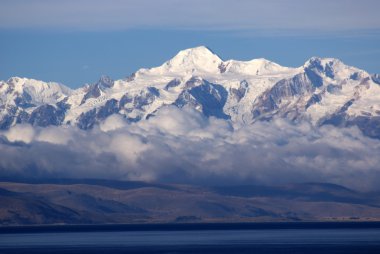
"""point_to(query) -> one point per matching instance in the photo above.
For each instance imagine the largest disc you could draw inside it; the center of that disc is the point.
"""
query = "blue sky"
(74, 42)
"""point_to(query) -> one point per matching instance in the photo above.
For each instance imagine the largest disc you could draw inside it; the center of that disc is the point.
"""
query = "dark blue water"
(277, 240)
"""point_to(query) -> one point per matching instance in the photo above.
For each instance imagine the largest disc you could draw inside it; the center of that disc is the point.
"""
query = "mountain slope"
(28, 100)
(87, 202)
(322, 91)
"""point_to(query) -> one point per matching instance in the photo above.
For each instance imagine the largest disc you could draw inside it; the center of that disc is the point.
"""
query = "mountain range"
(89, 201)
(321, 91)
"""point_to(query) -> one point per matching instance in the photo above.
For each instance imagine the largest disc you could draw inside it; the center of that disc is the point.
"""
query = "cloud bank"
(195, 14)
(182, 146)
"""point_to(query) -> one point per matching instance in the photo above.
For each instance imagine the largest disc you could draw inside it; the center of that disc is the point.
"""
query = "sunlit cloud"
(183, 146)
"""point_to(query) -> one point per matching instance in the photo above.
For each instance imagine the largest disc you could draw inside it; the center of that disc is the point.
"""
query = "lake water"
(323, 240)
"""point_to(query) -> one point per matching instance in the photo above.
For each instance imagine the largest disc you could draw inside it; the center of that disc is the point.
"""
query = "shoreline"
(187, 226)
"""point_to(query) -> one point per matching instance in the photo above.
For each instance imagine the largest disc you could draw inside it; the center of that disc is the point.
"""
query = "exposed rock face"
(46, 115)
(280, 98)
(376, 78)
(208, 98)
(90, 118)
(95, 90)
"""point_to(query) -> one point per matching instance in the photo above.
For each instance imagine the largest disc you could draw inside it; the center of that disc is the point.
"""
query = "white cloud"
(55, 135)
(113, 122)
(183, 146)
(22, 133)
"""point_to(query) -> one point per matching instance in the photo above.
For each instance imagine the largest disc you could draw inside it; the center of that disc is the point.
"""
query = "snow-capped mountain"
(322, 91)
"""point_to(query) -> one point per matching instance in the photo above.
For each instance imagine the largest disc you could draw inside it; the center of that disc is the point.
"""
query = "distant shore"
(188, 227)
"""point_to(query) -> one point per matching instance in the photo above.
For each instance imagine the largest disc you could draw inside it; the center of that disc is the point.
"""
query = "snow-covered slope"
(323, 91)
(30, 100)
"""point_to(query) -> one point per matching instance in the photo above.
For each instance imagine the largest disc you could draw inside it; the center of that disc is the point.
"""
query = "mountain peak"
(320, 61)
(333, 68)
(105, 81)
(200, 59)
(259, 66)
(197, 51)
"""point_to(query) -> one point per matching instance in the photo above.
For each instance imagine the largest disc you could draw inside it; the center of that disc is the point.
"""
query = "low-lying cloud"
(182, 146)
